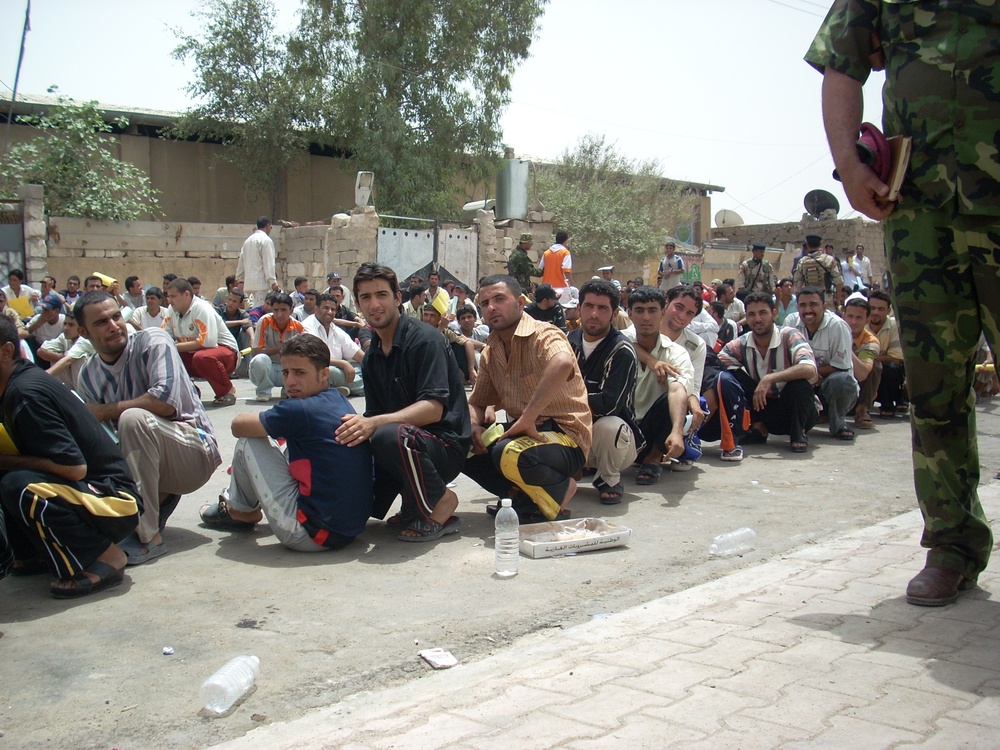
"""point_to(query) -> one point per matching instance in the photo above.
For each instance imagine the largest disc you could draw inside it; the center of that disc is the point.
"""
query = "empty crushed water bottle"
(733, 542)
(507, 541)
(220, 691)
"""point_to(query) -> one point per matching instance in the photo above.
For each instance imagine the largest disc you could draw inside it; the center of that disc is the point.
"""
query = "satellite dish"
(728, 218)
(818, 201)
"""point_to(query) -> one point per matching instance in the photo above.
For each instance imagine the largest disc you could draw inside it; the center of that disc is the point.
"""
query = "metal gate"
(452, 252)
(11, 236)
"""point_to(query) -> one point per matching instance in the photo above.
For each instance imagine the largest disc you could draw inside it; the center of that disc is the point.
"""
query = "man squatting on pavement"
(529, 370)
(942, 89)
(138, 387)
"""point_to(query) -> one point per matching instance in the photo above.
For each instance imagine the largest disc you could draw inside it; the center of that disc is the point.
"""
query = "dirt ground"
(92, 673)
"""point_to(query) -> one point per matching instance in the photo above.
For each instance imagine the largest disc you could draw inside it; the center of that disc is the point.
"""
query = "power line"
(795, 7)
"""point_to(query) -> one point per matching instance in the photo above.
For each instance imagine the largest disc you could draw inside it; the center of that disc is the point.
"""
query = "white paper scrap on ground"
(438, 658)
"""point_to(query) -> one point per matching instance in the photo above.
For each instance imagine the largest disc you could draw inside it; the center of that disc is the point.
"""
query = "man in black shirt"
(67, 494)
(609, 365)
(546, 308)
(416, 415)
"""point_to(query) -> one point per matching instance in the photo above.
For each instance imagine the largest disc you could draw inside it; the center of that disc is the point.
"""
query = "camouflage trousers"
(946, 291)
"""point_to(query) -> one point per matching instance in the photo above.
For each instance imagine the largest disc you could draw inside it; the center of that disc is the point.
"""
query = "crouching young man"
(318, 494)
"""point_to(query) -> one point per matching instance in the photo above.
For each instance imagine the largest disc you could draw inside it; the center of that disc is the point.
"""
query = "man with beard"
(416, 415)
(775, 365)
(528, 368)
(830, 339)
(608, 365)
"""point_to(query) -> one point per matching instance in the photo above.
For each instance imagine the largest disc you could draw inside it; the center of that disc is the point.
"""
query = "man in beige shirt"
(529, 370)
(885, 328)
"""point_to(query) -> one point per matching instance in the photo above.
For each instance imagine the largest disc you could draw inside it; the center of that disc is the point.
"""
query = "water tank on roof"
(512, 189)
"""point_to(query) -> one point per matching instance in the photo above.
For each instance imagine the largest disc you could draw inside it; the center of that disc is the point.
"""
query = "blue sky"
(715, 90)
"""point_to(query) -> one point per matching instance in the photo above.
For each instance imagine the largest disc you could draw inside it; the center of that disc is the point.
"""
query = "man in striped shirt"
(139, 388)
(776, 365)
(206, 346)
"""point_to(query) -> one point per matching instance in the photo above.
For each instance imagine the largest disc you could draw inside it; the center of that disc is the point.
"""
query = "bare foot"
(113, 556)
(570, 491)
(253, 516)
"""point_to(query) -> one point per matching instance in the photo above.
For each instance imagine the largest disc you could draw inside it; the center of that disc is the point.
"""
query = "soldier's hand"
(866, 191)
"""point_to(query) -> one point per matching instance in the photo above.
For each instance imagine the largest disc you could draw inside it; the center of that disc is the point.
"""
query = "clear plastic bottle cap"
(505, 502)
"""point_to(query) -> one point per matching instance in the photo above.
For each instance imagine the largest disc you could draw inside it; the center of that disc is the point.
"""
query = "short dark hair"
(434, 273)
(280, 298)
(718, 308)
(167, 277)
(372, 271)
(859, 302)
(683, 290)
(417, 289)
(309, 346)
(182, 286)
(509, 281)
(51, 278)
(601, 288)
(729, 282)
(720, 289)
(311, 292)
(465, 310)
(155, 291)
(544, 291)
(8, 335)
(263, 221)
(238, 292)
(75, 278)
(90, 298)
(130, 280)
(646, 293)
(321, 298)
(756, 297)
(192, 280)
(16, 272)
(786, 280)
(92, 278)
(813, 290)
(561, 238)
(880, 294)
(299, 280)
(231, 280)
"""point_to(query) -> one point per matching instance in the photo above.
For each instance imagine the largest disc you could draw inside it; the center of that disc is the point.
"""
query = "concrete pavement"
(817, 648)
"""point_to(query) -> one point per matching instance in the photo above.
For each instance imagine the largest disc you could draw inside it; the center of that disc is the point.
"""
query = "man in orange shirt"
(557, 263)
(273, 330)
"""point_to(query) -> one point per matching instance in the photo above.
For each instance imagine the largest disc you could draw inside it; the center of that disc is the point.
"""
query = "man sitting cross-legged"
(661, 392)
(528, 369)
(317, 494)
(608, 365)
(67, 494)
(776, 365)
(416, 417)
(138, 386)
(273, 330)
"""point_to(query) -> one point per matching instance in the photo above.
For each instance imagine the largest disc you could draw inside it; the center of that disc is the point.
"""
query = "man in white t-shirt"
(152, 314)
(671, 269)
(345, 354)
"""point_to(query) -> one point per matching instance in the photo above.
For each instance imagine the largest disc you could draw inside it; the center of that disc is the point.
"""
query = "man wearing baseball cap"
(520, 266)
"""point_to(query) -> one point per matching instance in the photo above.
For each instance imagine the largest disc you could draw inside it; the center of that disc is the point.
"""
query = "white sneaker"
(681, 465)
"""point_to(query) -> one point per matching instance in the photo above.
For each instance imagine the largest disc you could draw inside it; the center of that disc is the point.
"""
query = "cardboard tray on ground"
(569, 537)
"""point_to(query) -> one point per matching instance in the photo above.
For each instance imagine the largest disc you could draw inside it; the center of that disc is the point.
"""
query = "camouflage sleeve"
(846, 39)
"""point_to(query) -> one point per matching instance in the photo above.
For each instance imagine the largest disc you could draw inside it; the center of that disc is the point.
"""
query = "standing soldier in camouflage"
(755, 273)
(942, 89)
(520, 266)
(816, 268)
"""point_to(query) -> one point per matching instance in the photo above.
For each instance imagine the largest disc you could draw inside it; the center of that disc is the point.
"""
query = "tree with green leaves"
(412, 90)
(418, 89)
(72, 158)
(612, 206)
(252, 97)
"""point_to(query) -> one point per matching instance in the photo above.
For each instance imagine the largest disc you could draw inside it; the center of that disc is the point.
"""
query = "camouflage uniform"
(830, 266)
(943, 240)
(521, 268)
(762, 279)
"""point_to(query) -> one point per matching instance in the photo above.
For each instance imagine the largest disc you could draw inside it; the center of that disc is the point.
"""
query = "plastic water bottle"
(507, 542)
(220, 691)
(733, 542)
